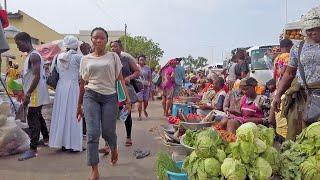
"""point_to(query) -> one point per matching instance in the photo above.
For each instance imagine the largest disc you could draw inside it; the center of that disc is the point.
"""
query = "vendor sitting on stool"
(254, 107)
(217, 101)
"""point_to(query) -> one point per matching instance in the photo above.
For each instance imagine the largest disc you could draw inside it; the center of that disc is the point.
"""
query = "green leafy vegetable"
(233, 169)
(163, 164)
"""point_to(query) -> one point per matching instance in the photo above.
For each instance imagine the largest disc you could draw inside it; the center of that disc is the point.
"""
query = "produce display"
(164, 163)
(248, 154)
(173, 120)
(300, 159)
(254, 151)
(293, 34)
(205, 161)
(221, 155)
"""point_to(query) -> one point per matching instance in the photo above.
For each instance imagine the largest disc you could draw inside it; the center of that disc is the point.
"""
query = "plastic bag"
(13, 139)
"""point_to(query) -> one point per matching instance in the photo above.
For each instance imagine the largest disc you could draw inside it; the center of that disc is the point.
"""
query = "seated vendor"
(217, 101)
(253, 107)
(231, 103)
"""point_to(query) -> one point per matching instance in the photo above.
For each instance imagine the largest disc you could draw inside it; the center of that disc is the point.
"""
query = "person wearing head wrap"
(306, 56)
(66, 130)
(167, 85)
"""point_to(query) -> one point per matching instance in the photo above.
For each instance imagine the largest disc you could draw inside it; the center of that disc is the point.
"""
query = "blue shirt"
(180, 75)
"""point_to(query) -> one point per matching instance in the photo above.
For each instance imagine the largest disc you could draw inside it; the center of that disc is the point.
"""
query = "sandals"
(128, 143)
(105, 151)
(139, 154)
(28, 155)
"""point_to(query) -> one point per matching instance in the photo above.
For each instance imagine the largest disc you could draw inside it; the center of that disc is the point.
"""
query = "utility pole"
(286, 1)
(5, 5)
(125, 37)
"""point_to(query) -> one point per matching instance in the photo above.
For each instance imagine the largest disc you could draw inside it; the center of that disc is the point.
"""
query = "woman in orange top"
(281, 60)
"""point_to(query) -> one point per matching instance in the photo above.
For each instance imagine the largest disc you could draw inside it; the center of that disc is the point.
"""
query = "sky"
(208, 28)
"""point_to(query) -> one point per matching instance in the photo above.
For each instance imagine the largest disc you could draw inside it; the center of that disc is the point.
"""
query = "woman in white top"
(99, 71)
(66, 131)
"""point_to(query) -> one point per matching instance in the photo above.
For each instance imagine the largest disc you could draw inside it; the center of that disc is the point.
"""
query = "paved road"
(56, 165)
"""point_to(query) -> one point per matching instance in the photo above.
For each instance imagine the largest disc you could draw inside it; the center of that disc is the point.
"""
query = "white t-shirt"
(101, 72)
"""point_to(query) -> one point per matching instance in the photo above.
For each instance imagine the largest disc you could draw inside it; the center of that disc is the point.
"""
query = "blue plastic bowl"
(177, 176)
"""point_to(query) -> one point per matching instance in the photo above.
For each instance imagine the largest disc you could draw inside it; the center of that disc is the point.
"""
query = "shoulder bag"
(311, 111)
(53, 78)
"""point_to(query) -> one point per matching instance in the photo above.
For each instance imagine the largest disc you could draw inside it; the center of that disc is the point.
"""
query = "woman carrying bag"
(100, 72)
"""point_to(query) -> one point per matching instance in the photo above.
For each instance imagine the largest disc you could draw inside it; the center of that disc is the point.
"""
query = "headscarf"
(70, 42)
(310, 20)
(169, 63)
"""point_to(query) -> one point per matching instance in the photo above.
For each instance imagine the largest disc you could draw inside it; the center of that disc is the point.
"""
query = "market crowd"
(92, 85)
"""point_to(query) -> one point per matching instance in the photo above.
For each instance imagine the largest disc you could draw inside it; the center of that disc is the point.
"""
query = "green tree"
(141, 45)
(192, 63)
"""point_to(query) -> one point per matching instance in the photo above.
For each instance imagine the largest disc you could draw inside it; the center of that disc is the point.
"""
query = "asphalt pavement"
(53, 164)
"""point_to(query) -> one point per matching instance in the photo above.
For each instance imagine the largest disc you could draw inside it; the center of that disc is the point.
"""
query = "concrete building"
(39, 32)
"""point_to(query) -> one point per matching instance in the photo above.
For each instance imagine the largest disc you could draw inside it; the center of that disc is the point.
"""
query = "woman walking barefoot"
(99, 71)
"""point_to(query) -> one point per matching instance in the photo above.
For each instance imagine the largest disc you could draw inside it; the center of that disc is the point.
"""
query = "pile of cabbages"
(251, 156)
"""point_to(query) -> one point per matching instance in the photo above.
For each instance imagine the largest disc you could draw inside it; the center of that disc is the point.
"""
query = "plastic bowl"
(177, 176)
(196, 126)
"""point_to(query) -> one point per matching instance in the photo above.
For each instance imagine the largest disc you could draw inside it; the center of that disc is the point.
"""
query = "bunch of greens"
(190, 138)
(205, 161)
(300, 159)
(163, 164)
(252, 154)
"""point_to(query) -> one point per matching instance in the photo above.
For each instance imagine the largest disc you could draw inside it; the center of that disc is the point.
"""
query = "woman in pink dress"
(167, 85)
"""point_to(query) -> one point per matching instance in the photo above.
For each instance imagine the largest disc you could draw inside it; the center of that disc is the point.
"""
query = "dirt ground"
(55, 164)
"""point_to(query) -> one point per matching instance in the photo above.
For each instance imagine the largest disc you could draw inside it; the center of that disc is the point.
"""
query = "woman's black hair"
(23, 36)
(143, 56)
(117, 41)
(101, 29)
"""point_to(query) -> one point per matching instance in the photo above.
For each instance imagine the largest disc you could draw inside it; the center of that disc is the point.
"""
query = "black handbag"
(311, 111)
(137, 85)
(53, 78)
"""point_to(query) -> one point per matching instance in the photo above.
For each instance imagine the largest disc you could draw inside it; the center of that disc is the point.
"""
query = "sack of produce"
(13, 139)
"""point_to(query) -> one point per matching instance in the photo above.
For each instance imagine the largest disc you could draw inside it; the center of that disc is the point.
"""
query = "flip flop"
(104, 151)
(128, 143)
(27, 155)
(139, 154)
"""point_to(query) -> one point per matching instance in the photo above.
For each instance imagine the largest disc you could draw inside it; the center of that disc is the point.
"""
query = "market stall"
(251, 153)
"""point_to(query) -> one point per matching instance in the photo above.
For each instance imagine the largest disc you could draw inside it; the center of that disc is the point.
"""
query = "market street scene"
(160, 90)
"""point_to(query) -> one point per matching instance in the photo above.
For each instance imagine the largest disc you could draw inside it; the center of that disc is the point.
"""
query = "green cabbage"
(310, 168)
(205, 147)
(220, 155)
(313, 130)
(266, 134)
(260, 146)
(232, 169)
(272, 156)
(207, 143)
(247, 152)
(261, 170)
(247, 132)
(212, 167)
